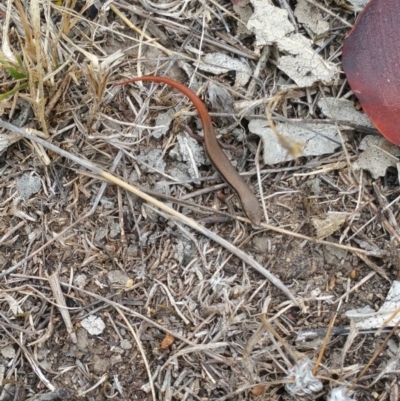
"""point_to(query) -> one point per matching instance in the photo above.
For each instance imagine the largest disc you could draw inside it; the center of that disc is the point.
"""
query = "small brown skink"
(217, 157)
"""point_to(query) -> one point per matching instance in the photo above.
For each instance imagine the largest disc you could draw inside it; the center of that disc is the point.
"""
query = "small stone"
(117, 277)
(28, 185)
(126, 344)
(8, 352)
(100, 365)
(101, 233)
(114, 230)
(115, 359)
(94, 325)
(80, 280)
(107, 203)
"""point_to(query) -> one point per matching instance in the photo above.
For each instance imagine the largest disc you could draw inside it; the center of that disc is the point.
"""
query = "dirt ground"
(106, 296)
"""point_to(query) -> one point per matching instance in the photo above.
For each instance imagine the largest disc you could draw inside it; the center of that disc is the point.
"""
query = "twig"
(324, 344)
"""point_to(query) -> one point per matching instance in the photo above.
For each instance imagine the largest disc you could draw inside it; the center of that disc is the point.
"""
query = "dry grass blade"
(349, 341)
(66, 24)
(142, 352)
(128, 311)
(251, 343)
(294, 148)
(25, 24)
(5, 46)
(62, 305)
(374, 267)
(10, 232)
(37, 73)
(47, 335)
(307, 238)
(355, 287)
(102, 380)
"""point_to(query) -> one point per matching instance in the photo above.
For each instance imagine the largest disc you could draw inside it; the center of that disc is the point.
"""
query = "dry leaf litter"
(104, 296)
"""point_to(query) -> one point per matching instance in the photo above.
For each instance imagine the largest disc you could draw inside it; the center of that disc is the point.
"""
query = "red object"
(217, 157)
(371, 61)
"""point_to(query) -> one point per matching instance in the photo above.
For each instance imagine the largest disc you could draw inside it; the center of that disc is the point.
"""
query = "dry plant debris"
(184, 311)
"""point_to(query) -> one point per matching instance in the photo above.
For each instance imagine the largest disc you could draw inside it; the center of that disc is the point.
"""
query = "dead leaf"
(301, 63)
(220, 63)
(244, 11)
(332, 283)
(168, 341)
(378, 155)
(330, 224)
(343, 110)
(311, 16)
(358, 4)
(318, 139)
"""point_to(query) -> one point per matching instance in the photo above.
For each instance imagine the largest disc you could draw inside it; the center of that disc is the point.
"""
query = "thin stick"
(142, 351)
(324, 344)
